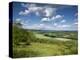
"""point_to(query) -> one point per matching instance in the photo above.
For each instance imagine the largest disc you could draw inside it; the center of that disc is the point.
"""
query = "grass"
(43, 49)
(32, 44)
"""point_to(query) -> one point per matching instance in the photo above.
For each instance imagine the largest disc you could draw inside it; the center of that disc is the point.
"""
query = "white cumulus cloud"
(38, 10)
(58, 16)
(45, 19)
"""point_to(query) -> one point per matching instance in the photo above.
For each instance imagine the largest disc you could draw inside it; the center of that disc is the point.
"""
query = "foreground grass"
(43, 49)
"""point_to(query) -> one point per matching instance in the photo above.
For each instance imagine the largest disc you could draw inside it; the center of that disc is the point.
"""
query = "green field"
(33, 43)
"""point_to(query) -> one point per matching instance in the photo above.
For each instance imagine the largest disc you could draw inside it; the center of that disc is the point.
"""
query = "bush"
(22, 35)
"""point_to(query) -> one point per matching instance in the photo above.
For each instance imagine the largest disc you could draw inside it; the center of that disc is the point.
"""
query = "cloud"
(40, 26)
(45, 19)
(49, 11)
(58, 16)
(54, 18)
(35, 26)
(18, 20)
(44, 11)
(63, 26)
(31, 8)
(63, 21)
(51, 27)
(44, 27)
(26, 12)
(55, 24)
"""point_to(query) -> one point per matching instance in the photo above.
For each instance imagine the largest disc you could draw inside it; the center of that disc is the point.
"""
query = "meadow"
(38, 43)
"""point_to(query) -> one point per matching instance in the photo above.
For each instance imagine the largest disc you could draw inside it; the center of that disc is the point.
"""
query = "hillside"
(27, 43)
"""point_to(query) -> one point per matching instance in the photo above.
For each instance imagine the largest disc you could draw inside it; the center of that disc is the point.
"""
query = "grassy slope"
(44, 48)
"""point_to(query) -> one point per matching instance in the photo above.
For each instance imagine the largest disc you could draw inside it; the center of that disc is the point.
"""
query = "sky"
(46, 16)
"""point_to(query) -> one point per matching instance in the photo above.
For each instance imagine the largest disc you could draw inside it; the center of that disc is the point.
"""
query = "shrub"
(22, 35)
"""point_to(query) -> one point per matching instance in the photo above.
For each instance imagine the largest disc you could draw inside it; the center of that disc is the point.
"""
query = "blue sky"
(46, 16)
